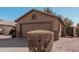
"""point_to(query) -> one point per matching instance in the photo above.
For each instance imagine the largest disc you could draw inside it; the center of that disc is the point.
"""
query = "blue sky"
(12, 13)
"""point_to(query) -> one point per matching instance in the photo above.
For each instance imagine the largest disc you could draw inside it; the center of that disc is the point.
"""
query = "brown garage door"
(34, 26)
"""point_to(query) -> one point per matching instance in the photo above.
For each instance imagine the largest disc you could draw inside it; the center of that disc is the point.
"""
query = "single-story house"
(38, 20)
(71, 31)
(5, 26)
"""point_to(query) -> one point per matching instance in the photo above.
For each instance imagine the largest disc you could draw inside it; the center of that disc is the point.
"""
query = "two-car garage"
(25, 27)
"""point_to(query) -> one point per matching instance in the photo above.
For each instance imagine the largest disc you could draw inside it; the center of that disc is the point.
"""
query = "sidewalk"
(4, 37)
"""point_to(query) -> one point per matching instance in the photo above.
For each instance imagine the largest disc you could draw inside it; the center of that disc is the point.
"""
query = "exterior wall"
(18, 30)
(74, 32)
(62, 30)
(6, 29)
(40, 18)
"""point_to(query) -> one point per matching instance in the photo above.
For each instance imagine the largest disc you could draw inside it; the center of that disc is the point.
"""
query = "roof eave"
(40, 12)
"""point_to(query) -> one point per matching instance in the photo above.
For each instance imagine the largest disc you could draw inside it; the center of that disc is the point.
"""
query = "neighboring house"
(5, 27)
(39, 20)
(71, 31)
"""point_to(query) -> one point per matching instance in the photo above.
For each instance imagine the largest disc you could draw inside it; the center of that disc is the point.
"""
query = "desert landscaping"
(39, 31)
(20, 45)
(66, 45)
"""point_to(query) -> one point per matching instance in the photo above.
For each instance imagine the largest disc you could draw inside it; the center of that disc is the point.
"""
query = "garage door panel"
(30, 27)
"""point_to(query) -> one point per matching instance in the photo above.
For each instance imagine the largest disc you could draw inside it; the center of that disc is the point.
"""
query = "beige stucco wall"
(17, 29)
(40, 18)
(6, 29)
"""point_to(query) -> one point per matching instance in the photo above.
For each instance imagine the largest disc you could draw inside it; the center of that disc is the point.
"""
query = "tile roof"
(3, 22)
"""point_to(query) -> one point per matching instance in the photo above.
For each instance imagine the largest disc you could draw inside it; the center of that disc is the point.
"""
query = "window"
(34, 16)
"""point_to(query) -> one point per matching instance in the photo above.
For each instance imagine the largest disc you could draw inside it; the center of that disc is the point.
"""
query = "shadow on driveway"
(13, 42)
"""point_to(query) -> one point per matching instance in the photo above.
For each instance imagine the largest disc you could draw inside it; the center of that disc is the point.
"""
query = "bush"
(40, 40)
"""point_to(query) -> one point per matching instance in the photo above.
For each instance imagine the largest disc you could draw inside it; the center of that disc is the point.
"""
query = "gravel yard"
(66, 45)
(8, 44)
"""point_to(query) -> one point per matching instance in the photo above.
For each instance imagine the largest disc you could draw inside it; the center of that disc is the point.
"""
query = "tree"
(49, 10)
(60, 17)
(68, 22)
(77, 26)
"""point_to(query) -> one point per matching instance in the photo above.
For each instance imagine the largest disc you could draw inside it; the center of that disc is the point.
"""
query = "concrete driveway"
(8, 44)
(13, 42)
